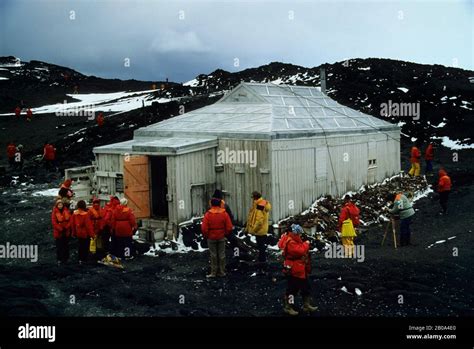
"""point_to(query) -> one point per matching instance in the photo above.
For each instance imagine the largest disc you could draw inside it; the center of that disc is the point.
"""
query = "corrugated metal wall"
(299, 167)
(191, 181)
(108, 165)
(239, 180)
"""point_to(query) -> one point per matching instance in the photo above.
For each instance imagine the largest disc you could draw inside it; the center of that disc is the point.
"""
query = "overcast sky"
(180, 39)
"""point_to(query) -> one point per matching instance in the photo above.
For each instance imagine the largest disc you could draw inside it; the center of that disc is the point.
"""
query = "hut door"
(159, 186)
(137, 185)
(198, 199)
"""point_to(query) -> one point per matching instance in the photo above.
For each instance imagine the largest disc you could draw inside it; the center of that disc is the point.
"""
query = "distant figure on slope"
(257, 224)
(11, 150)
(49, 156)
(61, 221)
(29, 115)
(296, 267)
(403, 207)
(348, 220)
(100, 119)
(429, 156)
(415, 161)
(124, 226)
(83, 230)
(17, 112)
(216, 225)
(444, 188)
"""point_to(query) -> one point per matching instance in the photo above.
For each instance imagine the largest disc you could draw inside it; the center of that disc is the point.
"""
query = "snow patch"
(46, 192)
(403, 89)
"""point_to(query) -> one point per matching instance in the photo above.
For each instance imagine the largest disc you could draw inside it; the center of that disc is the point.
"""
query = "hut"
(292, 143)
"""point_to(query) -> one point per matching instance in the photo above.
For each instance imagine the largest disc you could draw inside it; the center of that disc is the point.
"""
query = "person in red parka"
(108, 233)
(429, 156)
(11, 150)
(97, 216)
(444, 188)
(348, 211)
(296, 267)
(82, 229)
(100, 119)
(124, 226)
(17, 112)
(216, 225)
(65, 192)
(29, 115)
(61, 221)
(49, 155)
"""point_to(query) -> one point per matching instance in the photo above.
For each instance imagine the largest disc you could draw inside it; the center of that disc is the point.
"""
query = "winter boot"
(288, 308)
(307, 307)
(213, 273)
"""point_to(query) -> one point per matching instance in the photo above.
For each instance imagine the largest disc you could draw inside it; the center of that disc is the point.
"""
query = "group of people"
(29, 113)
(444, 181)
(16, 160)
(415, 159)
(99, 230)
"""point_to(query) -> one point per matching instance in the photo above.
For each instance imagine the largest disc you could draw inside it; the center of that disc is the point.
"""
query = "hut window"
(372, 162)
(119, 183)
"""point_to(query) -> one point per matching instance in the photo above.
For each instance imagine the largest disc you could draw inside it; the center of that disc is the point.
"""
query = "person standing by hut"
(124, 226)
(66, 193)
(216, 225)
(97, 216)
(348, 221)
(61, 221)
(29, 115)
(415, 156)
(444, 188)
(83, 230)
(108, 233)
(257, 225)
(296, 267)
(402, 207)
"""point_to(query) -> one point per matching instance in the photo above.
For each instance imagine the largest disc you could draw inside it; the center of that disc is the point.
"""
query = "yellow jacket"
(257, 220)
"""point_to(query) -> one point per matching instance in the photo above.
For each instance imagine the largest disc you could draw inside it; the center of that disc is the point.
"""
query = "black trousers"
(443, 200)
(62, 249)
(123, 247)
(405, 231)
(298, 285)
(83, 249)
(262, 248)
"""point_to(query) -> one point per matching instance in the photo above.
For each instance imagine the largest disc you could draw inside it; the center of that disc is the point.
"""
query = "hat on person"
(296, 228)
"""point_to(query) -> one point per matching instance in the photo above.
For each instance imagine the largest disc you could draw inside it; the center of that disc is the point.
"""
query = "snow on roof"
(268, 110)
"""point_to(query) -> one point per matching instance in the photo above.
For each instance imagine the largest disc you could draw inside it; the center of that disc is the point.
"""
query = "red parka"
(415, 155)
(216, 224)
(97, 217)
(429, 152)
(61, 221)
(296, 254)
(350, 210)
(444, 182)
(11, 150)
(82, 225)
(49, 152)
(17, 111)
(109, 211)
(123, 221)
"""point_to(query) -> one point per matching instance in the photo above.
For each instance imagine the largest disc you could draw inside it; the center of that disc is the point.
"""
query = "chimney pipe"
(322, 77)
